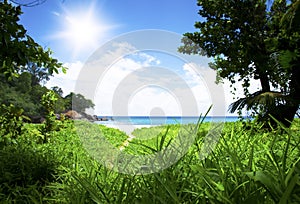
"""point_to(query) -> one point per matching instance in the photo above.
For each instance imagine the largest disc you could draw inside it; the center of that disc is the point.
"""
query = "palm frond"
(268, 99)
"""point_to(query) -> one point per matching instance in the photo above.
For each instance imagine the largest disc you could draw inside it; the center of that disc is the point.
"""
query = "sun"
(82, 30)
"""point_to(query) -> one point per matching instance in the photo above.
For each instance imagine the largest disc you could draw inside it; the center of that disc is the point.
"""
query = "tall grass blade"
(92, 191)
(168, 189)
(288, 191)
(120, 195)
(163, 138)
(267, 181)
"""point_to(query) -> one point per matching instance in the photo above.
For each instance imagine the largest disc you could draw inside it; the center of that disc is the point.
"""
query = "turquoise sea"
(157, 120)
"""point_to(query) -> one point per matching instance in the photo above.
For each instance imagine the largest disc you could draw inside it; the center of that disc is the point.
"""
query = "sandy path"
(128, 129)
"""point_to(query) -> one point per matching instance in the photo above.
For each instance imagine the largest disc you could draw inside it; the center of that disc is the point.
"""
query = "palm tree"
(270, 107)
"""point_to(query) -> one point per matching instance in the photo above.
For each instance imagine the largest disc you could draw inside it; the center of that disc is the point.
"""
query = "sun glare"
(82, 30)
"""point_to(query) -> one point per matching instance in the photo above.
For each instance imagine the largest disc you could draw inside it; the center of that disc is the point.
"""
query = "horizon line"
(194, 116)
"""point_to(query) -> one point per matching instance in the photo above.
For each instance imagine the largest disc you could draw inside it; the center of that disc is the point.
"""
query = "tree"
(78, 102)
(246, 38)
(39, 74)
(60, 105)
(19, 50)
(288, 49)
(24, 83)
(11, 95)
(24, 64)
(57, 90)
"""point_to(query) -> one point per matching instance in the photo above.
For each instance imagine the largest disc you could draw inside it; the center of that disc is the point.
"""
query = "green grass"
(246, 166)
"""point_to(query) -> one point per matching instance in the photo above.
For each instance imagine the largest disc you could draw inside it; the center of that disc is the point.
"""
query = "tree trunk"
(264, 81)
(295, 85)
(286, 113)
(262, 59)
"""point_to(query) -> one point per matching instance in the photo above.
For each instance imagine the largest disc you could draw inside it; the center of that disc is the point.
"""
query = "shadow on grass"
(24, 172)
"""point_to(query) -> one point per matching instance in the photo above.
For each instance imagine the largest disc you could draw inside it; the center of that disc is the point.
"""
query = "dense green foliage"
(253, 39)
(25, 91)
(247, 166)
(11, 124)
(18, 50)
(63, 161)
(77, 102)
(25, 66)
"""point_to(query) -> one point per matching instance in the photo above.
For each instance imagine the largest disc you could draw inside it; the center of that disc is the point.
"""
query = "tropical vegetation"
(25, 66)
(67, 161)
(253, 40)
(246, 166)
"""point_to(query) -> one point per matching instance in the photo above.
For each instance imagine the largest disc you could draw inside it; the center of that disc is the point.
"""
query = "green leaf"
(220, 186)
(288, 191)
(265, 179)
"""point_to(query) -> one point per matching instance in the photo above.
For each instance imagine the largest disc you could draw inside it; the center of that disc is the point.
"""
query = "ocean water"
(146, 120)
(129, 123)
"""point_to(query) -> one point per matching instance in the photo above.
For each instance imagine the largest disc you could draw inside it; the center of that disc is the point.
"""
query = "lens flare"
(83, 29)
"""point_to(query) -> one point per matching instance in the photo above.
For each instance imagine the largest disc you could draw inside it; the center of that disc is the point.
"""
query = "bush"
(11, 124)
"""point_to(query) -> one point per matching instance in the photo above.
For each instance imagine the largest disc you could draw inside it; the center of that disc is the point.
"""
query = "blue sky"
(106, 55)
(45, 21)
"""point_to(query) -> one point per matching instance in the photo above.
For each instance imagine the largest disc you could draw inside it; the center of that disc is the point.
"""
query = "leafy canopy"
(251, 39)
(24, 66)
(18, 50)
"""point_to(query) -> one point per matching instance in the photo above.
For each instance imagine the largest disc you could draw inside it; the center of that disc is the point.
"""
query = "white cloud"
(148, 59)
(55, 13)
(192, 72)
(121, 80)
(202, 80)
(149, 99)
(132, 87)
(66, 81)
